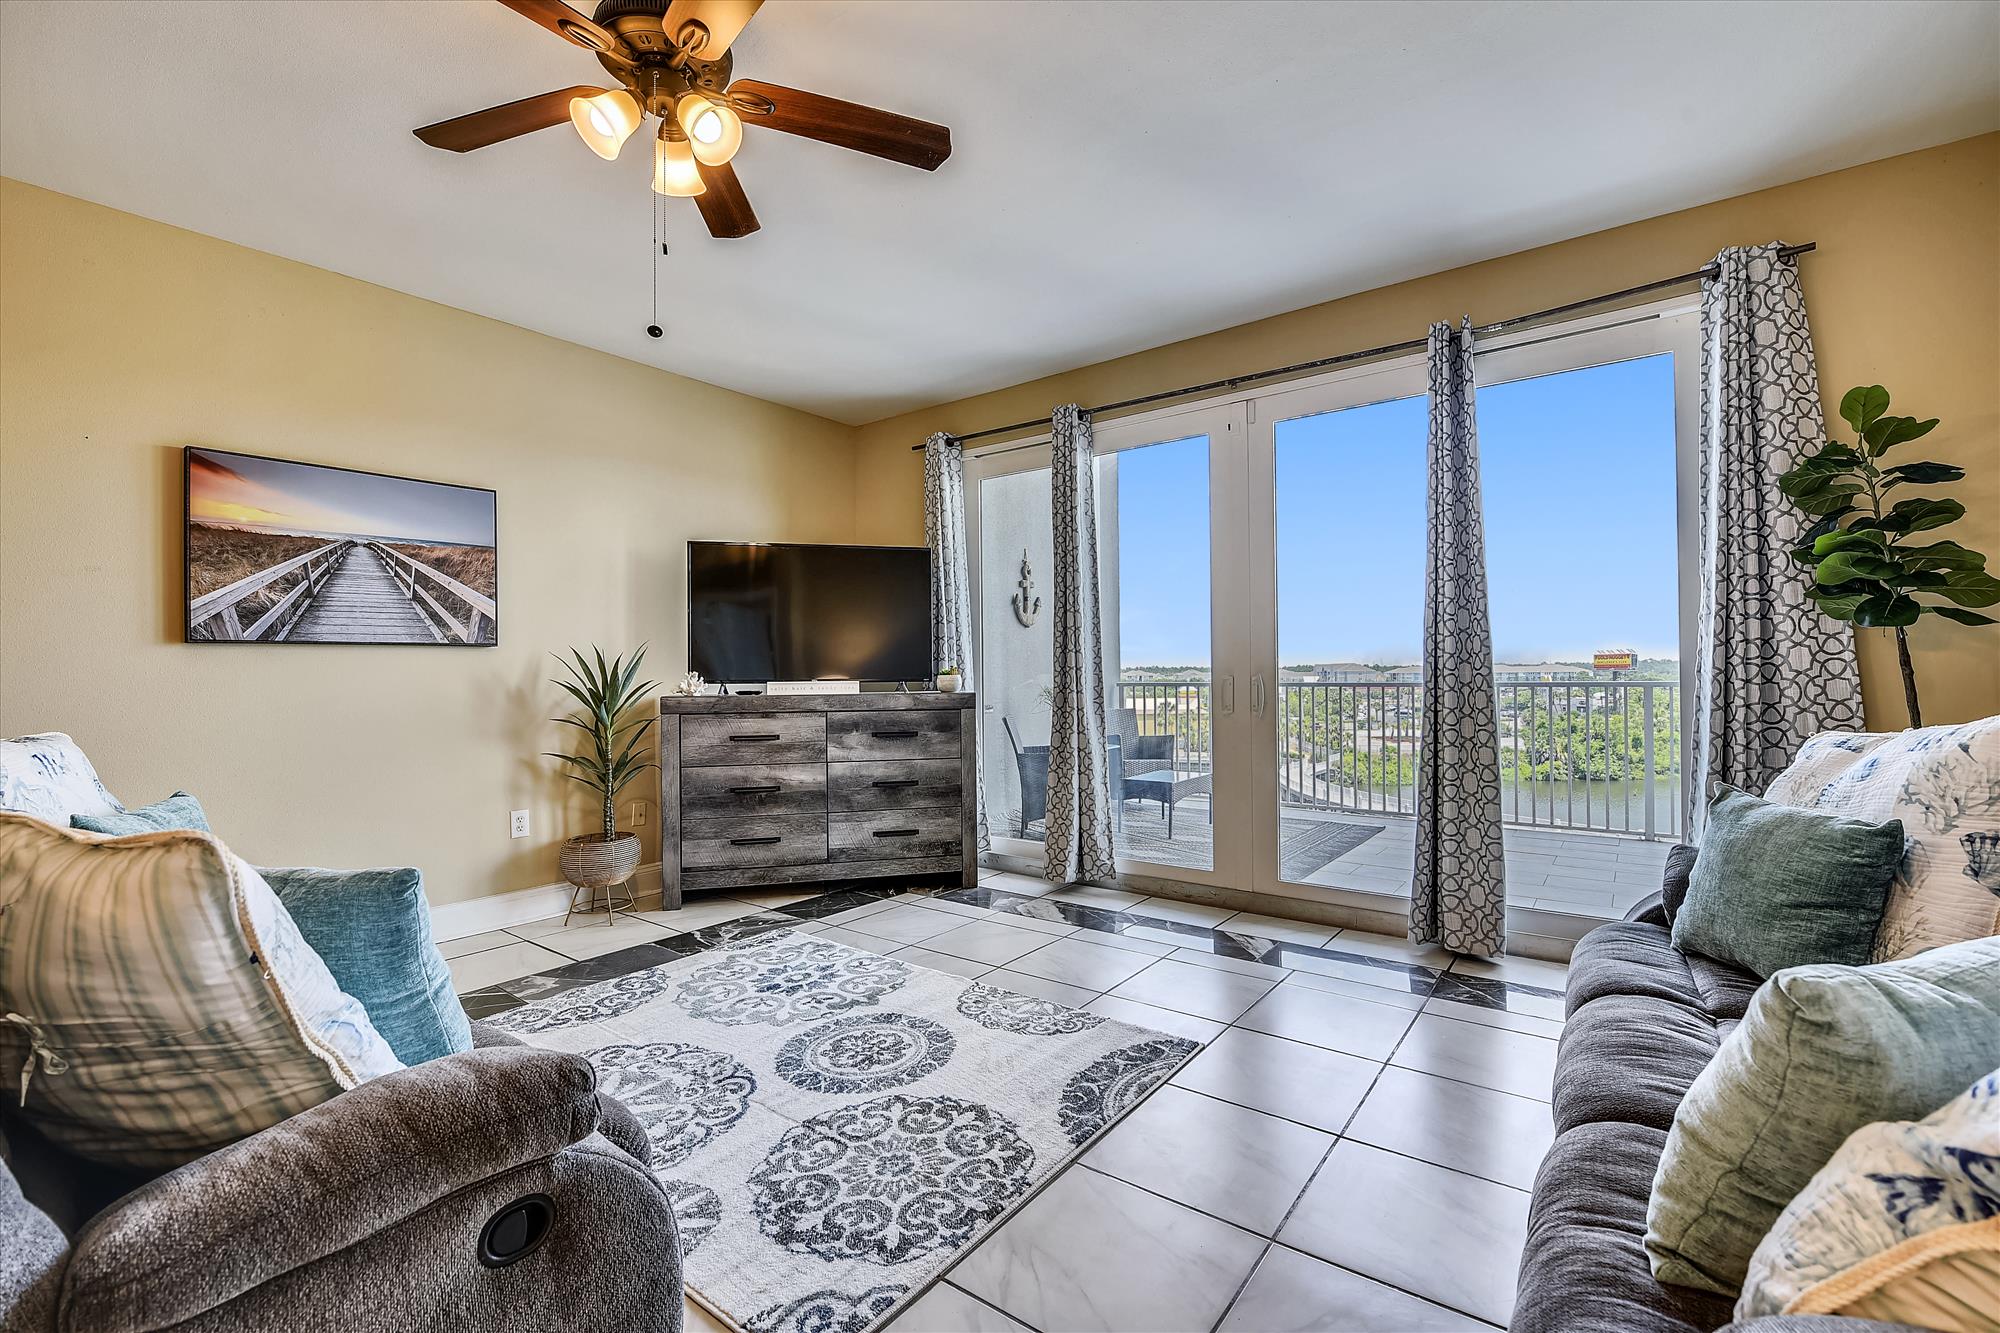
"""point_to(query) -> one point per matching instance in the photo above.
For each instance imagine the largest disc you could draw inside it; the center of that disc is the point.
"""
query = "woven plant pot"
(590, 862)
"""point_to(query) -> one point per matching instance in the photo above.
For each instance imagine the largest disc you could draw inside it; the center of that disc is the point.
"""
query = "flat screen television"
(794, 612)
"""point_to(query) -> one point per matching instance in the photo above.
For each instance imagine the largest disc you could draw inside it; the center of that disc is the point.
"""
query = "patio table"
(1169, 786)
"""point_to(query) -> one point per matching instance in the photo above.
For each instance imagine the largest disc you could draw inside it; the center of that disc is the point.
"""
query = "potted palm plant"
(606, 694)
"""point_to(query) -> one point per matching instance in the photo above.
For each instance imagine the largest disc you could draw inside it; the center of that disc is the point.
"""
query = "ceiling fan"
(671, 59)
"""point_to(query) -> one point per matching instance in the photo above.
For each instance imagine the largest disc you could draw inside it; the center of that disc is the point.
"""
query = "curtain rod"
(1390, 349)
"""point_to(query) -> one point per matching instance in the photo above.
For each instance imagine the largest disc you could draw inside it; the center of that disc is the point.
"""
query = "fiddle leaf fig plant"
(1868, 564)
(606, 692)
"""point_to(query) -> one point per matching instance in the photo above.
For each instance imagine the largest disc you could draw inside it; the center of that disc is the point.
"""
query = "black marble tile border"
(1485, 992)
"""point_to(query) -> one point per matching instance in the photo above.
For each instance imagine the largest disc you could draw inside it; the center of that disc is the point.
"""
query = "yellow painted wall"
(122, 340)
(1904, 291)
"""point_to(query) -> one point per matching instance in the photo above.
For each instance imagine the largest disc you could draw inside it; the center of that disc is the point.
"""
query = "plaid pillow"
(156, 1000)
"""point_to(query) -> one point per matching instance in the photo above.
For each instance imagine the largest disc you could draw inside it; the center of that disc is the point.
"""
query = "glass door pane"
(1154, 561)
(1014, 545)
(1583, 572)
(1348, 487)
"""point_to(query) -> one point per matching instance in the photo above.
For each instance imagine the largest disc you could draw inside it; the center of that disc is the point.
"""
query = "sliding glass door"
(1169, 514)
(1262, 569)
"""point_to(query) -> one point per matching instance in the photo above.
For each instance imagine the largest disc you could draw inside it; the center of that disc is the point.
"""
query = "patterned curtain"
(951, 582)
(1459, 899)
(1770, 670)
(1078, 824)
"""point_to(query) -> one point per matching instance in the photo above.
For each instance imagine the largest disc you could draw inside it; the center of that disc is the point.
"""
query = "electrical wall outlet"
(518, 827)
(638, 814)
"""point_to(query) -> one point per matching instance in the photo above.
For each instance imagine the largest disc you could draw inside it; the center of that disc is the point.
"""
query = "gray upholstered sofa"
(1644, 1018)
(493, 1190)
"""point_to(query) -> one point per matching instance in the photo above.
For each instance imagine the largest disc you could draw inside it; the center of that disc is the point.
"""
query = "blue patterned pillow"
(179, 811)
(1904, 1218)
(373, 928)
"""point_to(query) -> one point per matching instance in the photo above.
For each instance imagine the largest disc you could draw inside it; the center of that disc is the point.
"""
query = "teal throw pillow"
(373, 928)
(179, 811)
(1777, 886)
(1821, 1052)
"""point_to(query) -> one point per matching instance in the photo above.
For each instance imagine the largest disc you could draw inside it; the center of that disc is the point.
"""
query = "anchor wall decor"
(1026, 605)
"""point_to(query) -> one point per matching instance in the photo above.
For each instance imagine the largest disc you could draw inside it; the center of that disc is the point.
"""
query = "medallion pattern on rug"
(828, 1312)
(788, 979)
(833, 1127)
(683, 1095)
(1005, 1011)
(892, 1179)
(865, 1053)
(1115, 1084)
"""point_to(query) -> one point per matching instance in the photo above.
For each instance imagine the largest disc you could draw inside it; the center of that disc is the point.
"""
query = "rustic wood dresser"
(759, 790)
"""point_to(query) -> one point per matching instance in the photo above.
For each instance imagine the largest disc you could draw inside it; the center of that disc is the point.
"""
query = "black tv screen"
(780, 612)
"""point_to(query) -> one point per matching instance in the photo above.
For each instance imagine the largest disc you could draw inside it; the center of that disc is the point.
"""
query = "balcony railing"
(1599, 755)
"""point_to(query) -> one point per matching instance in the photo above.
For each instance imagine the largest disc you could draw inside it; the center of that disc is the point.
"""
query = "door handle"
(1227, 704)
(1257, 696)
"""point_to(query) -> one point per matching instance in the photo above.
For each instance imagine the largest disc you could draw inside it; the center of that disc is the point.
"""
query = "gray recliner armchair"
(491, 1190)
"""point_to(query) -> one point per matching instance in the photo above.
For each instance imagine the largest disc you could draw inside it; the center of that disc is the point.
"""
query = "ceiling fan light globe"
(606, 121)
(715, 131)
(674, 170)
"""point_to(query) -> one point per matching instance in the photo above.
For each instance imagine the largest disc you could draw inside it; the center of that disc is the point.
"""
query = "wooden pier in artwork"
(350, 591)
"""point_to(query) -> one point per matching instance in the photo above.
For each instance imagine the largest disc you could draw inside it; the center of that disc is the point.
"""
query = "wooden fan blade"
(917, 143)
(571, 26)
(723, 19)
(462, 134)
(724, 206)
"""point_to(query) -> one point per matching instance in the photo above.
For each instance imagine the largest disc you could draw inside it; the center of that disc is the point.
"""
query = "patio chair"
(1031, 763)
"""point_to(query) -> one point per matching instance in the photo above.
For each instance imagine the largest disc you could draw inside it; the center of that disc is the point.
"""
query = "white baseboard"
(497, 911)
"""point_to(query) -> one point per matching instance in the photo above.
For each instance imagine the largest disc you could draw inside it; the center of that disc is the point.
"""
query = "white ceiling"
(1124, 174)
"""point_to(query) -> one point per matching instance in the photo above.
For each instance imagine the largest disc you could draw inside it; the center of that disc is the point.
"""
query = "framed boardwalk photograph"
(288, 552)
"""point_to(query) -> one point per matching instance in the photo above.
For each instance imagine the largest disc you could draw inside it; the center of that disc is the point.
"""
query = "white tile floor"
(1342, 1155)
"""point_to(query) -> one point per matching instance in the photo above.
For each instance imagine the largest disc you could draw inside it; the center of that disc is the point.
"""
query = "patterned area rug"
(836, 1127)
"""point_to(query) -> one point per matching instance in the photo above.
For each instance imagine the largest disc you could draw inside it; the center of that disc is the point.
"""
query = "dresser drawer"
(756, 840)
(884, 835)
(753, 789)
(752, 738)
(915, 733)
(893, 784)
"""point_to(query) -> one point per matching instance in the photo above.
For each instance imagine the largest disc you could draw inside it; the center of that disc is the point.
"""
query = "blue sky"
(1578, 470)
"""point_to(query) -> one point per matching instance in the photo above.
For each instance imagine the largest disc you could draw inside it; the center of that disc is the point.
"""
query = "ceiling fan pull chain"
(659, 248)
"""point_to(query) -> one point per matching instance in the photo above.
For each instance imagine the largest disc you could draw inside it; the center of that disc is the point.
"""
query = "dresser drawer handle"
(756, 736)
(753, 842)
(896, 832)
(894, 735)
(755, 791)
(895, 782)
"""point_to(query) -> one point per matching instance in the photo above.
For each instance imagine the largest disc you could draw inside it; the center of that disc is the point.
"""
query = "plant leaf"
(1887, 433)
(1921, 474)
(1940, 555)
(1847, 566)
(1962, 617)
(1971, 587)
(1860, 406)
(1922, 515)
(1887, 609)
(1840, 606)
(1827, 499)
(1830, 542)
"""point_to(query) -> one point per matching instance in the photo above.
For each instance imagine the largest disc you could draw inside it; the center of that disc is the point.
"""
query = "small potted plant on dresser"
(612, 755)
(950, 680)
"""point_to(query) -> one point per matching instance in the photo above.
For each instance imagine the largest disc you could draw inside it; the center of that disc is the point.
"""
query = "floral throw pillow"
(1902, 1226)
(1944, 784)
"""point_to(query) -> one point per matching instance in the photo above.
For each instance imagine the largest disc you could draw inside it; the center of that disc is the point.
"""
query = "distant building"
(1520, 673)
